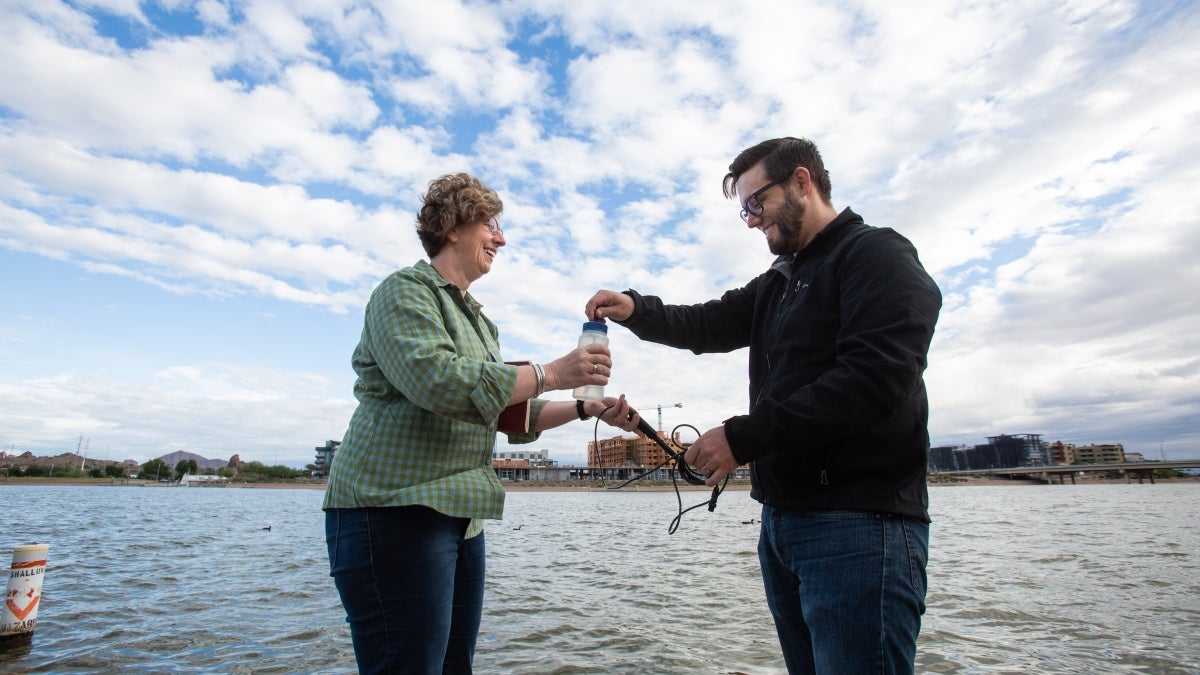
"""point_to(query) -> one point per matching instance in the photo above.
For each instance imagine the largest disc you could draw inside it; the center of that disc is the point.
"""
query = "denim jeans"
(411, 585)
(846, 589)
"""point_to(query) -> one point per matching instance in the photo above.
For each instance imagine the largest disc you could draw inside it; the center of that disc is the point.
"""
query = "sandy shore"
(108, 482)
(569, 486)
(532, 486)
(1079, 480)
(510, 486)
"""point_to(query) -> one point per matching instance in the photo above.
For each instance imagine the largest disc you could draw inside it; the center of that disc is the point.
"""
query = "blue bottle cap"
(596, 326)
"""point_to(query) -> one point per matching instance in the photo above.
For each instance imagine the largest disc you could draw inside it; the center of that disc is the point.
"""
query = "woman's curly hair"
(452, 200)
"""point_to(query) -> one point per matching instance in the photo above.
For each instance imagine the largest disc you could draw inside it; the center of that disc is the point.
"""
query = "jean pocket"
(916, 538)
(332, 523)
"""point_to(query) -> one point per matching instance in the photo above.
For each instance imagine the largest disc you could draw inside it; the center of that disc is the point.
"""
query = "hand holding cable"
(712, 456)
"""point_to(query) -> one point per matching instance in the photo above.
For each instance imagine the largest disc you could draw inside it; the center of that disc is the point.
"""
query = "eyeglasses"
(493, 226)
(753, 206)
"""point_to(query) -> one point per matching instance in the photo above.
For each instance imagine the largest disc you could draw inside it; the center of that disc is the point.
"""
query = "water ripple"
(1064, 579)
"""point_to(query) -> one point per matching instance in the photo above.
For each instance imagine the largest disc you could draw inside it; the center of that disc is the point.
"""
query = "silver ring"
(595, 367)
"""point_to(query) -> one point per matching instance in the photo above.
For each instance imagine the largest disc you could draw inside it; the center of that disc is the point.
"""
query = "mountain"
(176, 457)
(66, 460)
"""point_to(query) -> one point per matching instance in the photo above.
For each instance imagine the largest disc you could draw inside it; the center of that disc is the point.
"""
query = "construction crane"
(660, 406)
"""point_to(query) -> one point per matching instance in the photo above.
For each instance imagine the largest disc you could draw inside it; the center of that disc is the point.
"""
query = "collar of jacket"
(828, 236)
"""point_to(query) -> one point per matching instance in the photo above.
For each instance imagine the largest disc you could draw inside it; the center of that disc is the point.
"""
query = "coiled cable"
(690, 475)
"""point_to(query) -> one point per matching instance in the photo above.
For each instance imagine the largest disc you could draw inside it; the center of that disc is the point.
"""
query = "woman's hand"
(615, 412)
(589, 364)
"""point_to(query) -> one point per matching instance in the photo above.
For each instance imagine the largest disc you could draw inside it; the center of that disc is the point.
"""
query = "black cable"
(689, 474)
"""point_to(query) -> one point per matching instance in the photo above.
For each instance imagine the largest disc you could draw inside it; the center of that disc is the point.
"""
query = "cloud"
(207, 409)
(1040, 156)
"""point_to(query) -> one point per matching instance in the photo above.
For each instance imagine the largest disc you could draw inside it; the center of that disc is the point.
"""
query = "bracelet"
(580, 411)
(541, 379)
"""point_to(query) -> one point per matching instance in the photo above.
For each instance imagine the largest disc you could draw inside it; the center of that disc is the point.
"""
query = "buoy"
(24, 590)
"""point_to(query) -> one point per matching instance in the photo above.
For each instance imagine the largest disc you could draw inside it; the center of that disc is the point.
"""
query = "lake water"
(1022, 579)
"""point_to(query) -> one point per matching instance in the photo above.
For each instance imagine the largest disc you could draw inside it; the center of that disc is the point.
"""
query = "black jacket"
(838, 338)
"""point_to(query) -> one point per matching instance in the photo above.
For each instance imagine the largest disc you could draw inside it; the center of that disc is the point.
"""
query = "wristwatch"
(580, 411)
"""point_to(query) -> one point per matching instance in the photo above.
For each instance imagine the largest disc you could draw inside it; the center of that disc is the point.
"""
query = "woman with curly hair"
(412, 482)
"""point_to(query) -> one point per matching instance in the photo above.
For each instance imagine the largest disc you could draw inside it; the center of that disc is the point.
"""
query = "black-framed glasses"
(753, 206)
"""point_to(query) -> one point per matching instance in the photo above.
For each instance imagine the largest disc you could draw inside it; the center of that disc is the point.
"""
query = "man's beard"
(788, 219)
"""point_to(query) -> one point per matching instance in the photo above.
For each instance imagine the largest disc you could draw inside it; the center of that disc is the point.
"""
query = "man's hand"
(609, 305)
(711, 456)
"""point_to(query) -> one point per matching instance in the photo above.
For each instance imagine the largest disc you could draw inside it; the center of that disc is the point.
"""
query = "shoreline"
(509, 486)
(572, 486)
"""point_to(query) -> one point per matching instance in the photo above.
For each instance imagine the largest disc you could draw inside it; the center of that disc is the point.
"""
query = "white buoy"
(24, 590)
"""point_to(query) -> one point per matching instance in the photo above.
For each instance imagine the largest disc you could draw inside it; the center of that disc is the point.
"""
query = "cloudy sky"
(198, 196)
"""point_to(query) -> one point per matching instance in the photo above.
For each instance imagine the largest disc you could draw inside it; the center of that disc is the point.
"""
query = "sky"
(198, 196)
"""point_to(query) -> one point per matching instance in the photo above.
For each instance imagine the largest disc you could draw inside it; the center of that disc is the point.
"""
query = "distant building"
(945, 458)
(1001, 452)
(324, 458)
(1012, 451)
(1097, 454)
(512, 469)
(188, 480)
(520, 470)
(533, 457)
(1019, 450)
(1059, 452)
(629, 452)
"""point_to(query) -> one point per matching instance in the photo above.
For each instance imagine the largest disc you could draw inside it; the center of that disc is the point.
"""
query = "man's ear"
(803, 179)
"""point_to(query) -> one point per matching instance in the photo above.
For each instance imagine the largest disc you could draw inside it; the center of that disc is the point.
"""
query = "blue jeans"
(411, 585)
(846, 589)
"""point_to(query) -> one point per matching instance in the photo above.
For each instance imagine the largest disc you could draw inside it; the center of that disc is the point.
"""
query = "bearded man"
(836, 435)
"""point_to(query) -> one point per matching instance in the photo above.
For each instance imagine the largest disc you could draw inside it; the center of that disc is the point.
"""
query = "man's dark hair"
(781, 156)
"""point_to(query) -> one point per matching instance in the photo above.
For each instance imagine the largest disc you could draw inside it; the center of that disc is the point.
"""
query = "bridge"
(1059, 472)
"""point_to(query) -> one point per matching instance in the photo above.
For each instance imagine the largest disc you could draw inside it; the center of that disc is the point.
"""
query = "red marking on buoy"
(22, 612)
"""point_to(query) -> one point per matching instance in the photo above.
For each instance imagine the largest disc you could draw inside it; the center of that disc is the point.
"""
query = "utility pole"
(660, 406)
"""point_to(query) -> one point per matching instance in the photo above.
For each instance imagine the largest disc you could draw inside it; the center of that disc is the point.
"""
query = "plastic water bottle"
(593, 332)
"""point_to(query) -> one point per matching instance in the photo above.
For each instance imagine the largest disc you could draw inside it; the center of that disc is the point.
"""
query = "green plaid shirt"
(430, 386)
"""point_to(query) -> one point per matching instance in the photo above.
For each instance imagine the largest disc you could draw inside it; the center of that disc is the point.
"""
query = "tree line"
(158, 470)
